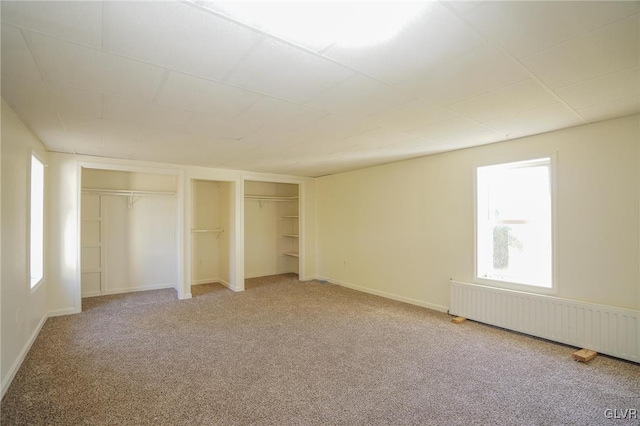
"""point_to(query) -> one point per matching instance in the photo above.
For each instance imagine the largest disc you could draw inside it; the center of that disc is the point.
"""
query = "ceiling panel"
(443, 130)
(197, 94)
(610, 49)
(93, 126)
(608, 88)
(175, 139)
(318, 145)
(273, 138)
(619, 108)
(176, 35)
(539, 120)
(208, 125)
(20, 93)
(337, 127)
(86, 68)
(463, 6)
(280, 114)
(178, 83)
(16, 56)
(42, 121)
(412, 115)
(299, 18)
(284, 71)
(478, 71)
(359, 97)
(144, 113)
(510, 100)
(79, 21)
(527, 27)
(436, 34)
(378, 138)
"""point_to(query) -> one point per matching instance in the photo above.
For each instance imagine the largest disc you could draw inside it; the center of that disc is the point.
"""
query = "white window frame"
(553, 177)
(34, 285)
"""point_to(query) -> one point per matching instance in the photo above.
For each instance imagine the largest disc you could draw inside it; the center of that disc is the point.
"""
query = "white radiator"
(605, 329)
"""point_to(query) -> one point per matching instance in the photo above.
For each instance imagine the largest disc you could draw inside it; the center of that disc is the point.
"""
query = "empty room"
(320, 212)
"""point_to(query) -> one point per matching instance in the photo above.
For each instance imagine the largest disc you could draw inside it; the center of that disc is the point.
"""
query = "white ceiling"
(180, 82)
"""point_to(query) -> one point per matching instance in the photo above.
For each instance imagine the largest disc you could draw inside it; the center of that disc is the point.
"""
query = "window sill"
(527, 288)
(35, 287)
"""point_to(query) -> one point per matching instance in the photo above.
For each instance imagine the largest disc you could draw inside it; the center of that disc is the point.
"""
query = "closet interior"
(271, 228)
(210, 232)
(128, 232)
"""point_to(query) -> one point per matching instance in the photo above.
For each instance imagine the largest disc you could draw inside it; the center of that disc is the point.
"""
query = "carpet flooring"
(291, 353)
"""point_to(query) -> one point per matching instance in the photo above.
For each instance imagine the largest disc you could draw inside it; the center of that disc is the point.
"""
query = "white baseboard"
(213, 281)
(311, 278)
(187, 296)
(90, 294)
(205, 281)
(268, 274)
(60, 312)
(142, 288)
(23, 353)
(384, 294)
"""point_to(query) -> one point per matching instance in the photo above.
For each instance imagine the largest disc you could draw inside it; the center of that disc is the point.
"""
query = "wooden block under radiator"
(584, 355)
(458, 320)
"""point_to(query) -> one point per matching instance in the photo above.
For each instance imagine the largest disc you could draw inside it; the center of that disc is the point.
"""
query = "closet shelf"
(201, 231)
(291, 235)
(270, 198)
(291, 253)
(125, 192)
(290, 217)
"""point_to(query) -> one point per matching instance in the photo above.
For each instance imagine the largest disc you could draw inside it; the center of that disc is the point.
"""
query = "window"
(36, 246)
(514, 223)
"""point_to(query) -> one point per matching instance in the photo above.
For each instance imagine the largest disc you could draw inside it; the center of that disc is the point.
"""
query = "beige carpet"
(285, 352)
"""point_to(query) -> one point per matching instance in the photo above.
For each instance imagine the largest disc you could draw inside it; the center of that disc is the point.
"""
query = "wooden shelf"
(290, 217)
(270, 198)
(291, 235)
(291, 253)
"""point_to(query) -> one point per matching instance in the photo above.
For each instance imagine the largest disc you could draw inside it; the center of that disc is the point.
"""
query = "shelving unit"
(272, 229)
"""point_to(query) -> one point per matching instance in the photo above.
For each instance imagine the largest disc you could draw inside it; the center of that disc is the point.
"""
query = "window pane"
(514, 223)
(37, 221)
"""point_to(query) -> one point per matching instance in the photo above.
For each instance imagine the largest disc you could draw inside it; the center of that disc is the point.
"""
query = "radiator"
(605, 329)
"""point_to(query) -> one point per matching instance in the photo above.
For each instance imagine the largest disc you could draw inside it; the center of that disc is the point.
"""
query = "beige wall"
(404, 229)
(23, 310)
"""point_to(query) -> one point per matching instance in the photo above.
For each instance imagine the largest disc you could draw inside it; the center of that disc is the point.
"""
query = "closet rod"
(127, 193)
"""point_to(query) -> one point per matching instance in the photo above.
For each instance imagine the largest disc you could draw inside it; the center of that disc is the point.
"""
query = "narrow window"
(514, 223)
(37, 221)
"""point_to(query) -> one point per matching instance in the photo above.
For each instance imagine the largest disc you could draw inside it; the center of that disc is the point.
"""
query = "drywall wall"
(205, 245)
(63, 293)
(23, 310)
(403, 229)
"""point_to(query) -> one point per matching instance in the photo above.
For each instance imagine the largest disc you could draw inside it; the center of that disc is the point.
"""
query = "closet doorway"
(128, 235)
(271, 228)
(212, 232)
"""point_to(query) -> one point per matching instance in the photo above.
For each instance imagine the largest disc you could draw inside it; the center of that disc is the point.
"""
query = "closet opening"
(128, 232)
(212, 233)
(271, 228)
